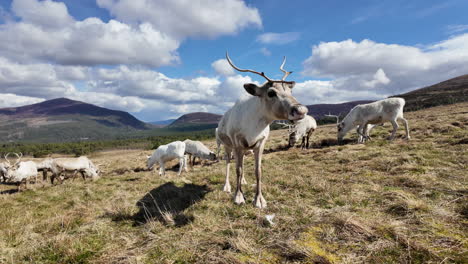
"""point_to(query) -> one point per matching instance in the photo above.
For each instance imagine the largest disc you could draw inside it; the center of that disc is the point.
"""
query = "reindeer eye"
(271, 93)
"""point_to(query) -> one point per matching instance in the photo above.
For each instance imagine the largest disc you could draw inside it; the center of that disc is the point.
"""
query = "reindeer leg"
(308, 138)
(239, 195)
(395, 128)
(227, 185)
(243, 180)
(181, 166)
(405, 122)
(259, 201)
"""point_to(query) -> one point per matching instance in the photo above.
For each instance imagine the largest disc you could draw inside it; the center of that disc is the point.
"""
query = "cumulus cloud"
(13, 100)
(378, 78)
(88, 42)
(369, 66)
(47, 14)
(181, 18)
(154, 85)
(222, 67)
(278, 38)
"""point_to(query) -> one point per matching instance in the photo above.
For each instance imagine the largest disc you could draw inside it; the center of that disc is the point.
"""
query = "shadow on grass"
(166, 204)
(10, 191)
(329, 142)
(276, 149)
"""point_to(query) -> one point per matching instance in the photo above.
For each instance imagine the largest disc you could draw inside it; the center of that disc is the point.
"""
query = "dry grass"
(383, 202)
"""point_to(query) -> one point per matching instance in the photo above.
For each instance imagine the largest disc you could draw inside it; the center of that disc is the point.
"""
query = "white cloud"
(378, 78)
(353, 65)
(278, 38)
(13, 100)
(88, 42)
(47, 14)
(222, 67)
(181, 18)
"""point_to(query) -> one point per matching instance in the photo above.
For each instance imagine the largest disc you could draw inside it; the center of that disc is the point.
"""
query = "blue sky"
(160, 59)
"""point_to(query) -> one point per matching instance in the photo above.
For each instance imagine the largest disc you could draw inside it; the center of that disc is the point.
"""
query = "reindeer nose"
(299, 110)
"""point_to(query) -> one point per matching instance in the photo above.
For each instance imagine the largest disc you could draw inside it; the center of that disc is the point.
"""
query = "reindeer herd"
(243, 129)
(22, 172)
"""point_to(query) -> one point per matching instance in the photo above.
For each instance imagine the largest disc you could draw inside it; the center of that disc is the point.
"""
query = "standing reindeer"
(247, 125)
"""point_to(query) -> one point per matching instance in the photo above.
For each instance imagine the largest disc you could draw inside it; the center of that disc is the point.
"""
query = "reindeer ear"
(252, 89)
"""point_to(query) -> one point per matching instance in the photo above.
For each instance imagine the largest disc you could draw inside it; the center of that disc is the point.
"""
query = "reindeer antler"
(19, 158)
(286, 73)
(6, 158)
(246, 70)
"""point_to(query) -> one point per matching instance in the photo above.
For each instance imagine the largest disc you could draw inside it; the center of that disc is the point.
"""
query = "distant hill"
(318, 111)
(197, 118)
(447, 92)
(62, 119)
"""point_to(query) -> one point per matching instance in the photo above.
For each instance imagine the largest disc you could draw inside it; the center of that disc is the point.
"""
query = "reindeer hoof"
(239, 198)
(260, 202)
(227, 188)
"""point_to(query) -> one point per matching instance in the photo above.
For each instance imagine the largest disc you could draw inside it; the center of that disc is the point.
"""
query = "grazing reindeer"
(361, 138)
(390, 109)
(247, 125)
(302, 129)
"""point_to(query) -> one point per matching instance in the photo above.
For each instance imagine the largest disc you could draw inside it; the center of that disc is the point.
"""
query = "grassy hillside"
(382, 202)
(447, 92)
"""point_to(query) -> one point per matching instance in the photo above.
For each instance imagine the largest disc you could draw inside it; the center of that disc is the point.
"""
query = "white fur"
(3, 170)
(22, 172)
(301, 131)
(165, 153)
(198, 150)
(81, 164)
(390, 109)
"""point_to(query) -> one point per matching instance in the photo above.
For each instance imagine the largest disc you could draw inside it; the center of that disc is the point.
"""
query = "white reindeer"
(168, 152)
(21, 172)
(302, 129)
(197, 149)
(379, 112)
(247, 125)
(81, 164)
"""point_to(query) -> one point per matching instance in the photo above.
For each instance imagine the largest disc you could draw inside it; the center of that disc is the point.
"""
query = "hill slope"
(196, 118)
(63, 119)
(447, 92)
